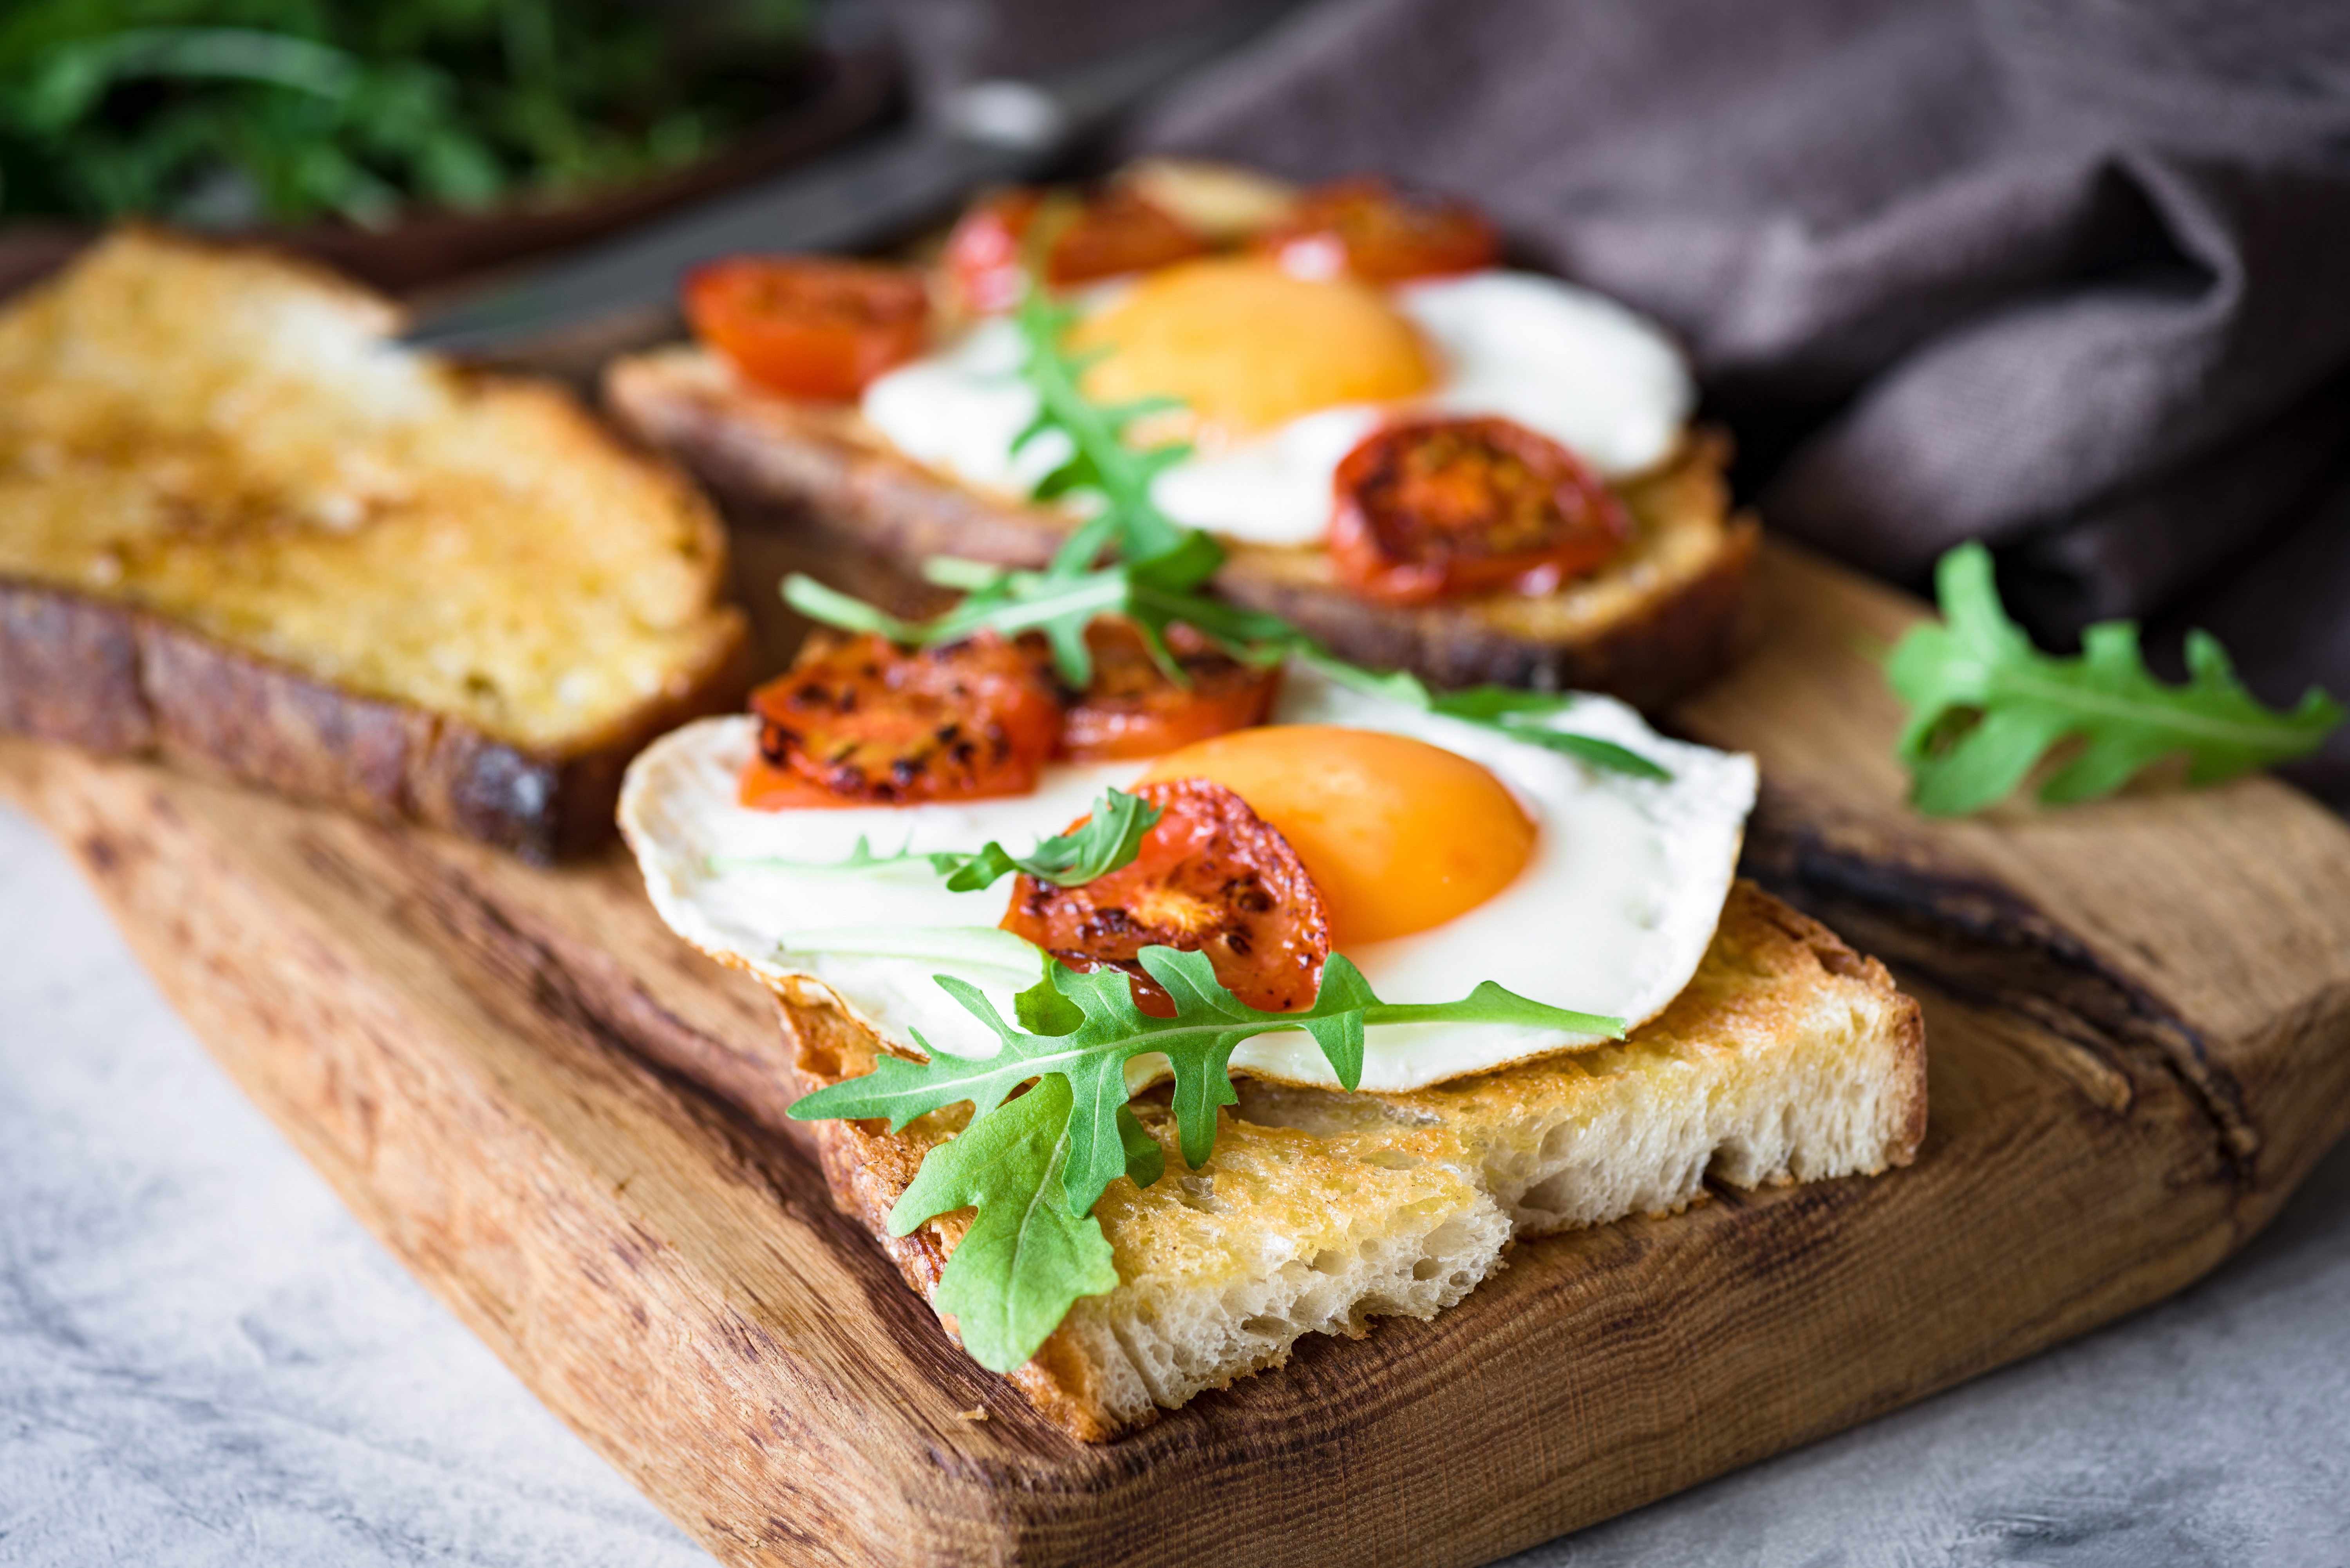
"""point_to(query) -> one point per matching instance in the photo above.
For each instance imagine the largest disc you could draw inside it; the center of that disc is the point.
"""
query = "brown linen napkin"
(2071, 278)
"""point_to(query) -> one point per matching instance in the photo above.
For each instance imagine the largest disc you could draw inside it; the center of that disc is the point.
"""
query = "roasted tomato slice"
(1211, 876)
(808, 327)
(1109, 231)
(1132, 710)
(861, 723)
(1436, 507)
(1366, 227)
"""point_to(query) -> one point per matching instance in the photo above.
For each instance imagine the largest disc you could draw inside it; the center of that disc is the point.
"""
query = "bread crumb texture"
(233, 440)
(1788, 1058)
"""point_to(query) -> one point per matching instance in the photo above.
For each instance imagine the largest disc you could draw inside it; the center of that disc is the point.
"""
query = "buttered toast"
(242, 529)
(1787, 1057)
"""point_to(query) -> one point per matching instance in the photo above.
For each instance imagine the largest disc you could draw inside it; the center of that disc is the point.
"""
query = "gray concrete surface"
(204, 1361)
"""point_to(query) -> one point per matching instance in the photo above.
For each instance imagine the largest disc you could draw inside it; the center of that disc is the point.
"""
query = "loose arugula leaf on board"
(1108, 839)
(1986, 705)
(1209, 1023)
(1028, 1256)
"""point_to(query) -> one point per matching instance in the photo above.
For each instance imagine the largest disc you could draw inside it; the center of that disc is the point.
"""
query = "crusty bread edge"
(1676, 641)
(123, 681)
(775, 452)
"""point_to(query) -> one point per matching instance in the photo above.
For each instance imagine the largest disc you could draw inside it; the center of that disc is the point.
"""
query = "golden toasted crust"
(247, 534)
(1667, 614)
(1779, 1007)
(119, 681)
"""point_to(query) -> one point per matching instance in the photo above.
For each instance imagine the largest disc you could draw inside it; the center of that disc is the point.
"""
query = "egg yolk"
(1398, 835)
(1245, 346)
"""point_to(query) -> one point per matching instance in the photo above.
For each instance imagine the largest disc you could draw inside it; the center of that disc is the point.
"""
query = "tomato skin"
(1431, 509)
(1210, 876)
(809, 326)
(772, 786)
(1107, 232)
(857, 722)
(1366, 227)
(1132, 710)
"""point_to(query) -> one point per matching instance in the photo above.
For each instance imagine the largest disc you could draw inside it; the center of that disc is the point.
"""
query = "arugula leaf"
(1986, 705)
(1522, 715)
(1209, 1023)
(1108, 839)
(1028, 1256)
(1145, 1162)
(1129, 524)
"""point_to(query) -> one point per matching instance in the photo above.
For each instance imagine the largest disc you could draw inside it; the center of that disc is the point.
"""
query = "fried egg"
(1448, 855)
(1283, 375)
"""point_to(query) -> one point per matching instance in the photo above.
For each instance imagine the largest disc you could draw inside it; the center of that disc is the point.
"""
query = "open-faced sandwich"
(1168, 987)
(1426, 460)
(243, 529)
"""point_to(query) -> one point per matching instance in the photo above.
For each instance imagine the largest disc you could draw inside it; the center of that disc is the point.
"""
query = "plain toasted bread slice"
(1663, 617)
(245, 530)
(1788, 1057)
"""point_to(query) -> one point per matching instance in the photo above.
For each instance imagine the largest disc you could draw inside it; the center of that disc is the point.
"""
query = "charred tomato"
(1131, 709)
(859, 721)
(1430, 508)
(1366, 227)
(1101, 235)
(808, 326)
(1211, 876)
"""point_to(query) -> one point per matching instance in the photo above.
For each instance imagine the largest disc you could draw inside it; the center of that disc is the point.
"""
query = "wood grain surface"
(571, 1128)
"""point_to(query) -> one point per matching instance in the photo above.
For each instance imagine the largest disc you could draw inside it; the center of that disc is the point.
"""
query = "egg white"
(1611, 915)
(1603, 381)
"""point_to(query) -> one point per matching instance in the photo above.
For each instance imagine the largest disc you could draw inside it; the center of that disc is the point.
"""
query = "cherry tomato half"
(806, 325)
(1109, 231)
(1211, 876)
(1430, 508)
(1366, 227)
(861, 723)
(1131, 709)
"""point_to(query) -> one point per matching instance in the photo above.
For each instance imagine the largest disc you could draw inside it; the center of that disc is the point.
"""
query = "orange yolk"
(1398, 835)
(1245, 346)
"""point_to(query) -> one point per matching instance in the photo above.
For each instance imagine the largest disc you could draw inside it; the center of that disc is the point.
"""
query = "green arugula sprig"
(1155, 594)
(1102, 461)
(1506, 709)
(1109, 839)
(1986, 705)
(1152, 593)
(1047, 1169)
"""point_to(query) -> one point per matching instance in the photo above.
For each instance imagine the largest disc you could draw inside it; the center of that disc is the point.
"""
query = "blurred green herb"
(1985, 705)
(225, 112)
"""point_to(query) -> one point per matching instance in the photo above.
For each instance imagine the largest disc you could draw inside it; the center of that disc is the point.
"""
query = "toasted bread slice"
(1665, 615)
(245, 530)
(1787, 1058)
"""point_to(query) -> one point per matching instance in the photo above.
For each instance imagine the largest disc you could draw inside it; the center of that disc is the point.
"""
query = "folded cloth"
(2071, 277)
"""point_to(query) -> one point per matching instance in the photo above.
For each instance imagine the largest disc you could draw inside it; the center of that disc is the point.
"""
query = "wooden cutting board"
(569, 1127)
